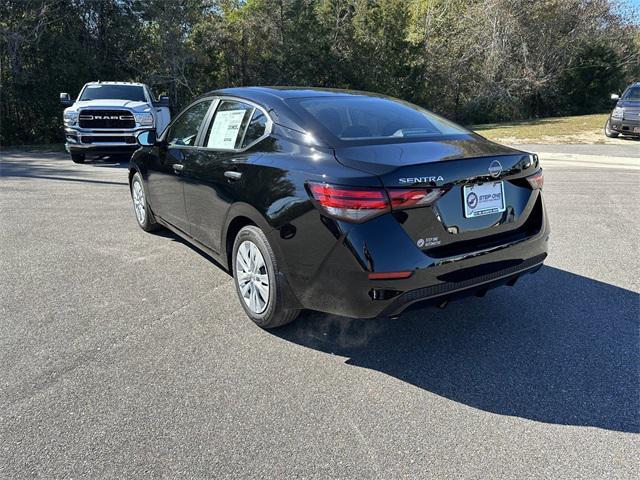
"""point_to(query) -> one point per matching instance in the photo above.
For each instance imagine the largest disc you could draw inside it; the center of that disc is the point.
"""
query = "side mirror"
(615, 97)
(164, 101)
(65, 100)
(147, 138)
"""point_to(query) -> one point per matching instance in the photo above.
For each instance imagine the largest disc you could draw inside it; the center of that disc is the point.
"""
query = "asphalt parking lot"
(126, 354)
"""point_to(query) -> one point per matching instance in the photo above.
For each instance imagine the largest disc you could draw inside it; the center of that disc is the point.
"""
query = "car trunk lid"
(418, 159)
(453, 164)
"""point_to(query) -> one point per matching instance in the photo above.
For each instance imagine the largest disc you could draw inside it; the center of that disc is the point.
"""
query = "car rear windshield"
(358, 118)
(632, 94)
(134, 93)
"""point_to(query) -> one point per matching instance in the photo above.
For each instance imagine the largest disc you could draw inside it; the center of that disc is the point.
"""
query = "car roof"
(283, 93)
(273, 99)
(100, 82)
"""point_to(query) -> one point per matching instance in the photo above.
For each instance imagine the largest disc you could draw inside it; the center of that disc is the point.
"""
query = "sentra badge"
(421, 179)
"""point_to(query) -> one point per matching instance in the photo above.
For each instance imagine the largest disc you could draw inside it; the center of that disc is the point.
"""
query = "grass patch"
(576, 129)
(49, 147)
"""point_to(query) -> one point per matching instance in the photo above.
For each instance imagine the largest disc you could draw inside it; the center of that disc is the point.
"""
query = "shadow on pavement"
(165, 233)
(57, 167)
(111, 161)
(558, 348)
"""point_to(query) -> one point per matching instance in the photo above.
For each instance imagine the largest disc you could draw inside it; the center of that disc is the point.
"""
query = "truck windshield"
(134, 93)
(632, 94)
(349, 118)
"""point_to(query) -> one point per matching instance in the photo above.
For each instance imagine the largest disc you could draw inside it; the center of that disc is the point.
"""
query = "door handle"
(232, 176)
(178, 167)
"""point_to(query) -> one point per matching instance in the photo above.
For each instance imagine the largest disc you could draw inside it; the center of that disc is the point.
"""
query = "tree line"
(470, 60)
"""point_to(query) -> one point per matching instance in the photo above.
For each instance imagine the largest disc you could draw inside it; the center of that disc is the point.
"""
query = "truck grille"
(106, 119)
(632, 113)
(108, 139)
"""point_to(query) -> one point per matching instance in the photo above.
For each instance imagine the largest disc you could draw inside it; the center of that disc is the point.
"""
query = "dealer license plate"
(483, 199)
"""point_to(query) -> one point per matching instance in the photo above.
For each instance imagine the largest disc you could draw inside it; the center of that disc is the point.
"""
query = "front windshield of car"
(632, 94)
(353, 118)
(134, 93)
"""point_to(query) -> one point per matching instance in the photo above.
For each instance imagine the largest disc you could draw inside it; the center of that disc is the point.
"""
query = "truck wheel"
(259, 286)
(608, 132)
(144, 215)
(77, 157)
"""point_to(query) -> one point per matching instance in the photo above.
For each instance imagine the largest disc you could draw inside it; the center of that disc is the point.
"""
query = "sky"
(635, 4)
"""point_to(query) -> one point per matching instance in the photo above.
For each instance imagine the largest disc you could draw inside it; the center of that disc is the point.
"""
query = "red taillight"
(350, 203)
(536, 180)
(340, 197)
(414, 197)
(357, 204)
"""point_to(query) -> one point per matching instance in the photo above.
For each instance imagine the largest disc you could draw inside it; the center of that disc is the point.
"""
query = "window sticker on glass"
(225, 129)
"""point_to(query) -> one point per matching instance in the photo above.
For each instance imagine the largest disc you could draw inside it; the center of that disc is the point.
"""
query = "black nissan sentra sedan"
(345, 202)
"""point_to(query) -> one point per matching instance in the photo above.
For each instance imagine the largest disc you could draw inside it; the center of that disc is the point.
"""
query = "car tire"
(256, 276)
(77, 157)
(141, 209)
(608, 132)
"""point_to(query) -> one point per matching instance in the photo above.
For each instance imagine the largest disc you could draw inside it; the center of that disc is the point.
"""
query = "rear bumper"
(437, 294)
(340, 285)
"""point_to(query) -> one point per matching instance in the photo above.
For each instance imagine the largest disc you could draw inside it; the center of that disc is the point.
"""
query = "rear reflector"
(357, 204)
(389, 275)
(536, 180)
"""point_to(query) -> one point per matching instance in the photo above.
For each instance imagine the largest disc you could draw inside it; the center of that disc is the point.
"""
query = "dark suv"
(625, 117)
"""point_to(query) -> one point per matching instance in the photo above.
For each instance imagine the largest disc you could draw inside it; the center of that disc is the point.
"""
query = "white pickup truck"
(107, 116)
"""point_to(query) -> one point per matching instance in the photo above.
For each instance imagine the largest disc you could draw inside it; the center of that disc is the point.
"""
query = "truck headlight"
(618, 112)
(70, 118)
(144, 118)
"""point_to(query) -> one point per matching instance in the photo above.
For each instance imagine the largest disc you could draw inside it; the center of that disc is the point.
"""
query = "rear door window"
(236, 125)
(256, 128)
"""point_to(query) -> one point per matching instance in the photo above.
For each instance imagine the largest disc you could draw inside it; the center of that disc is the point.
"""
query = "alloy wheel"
(139, 202)
(252, 277)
